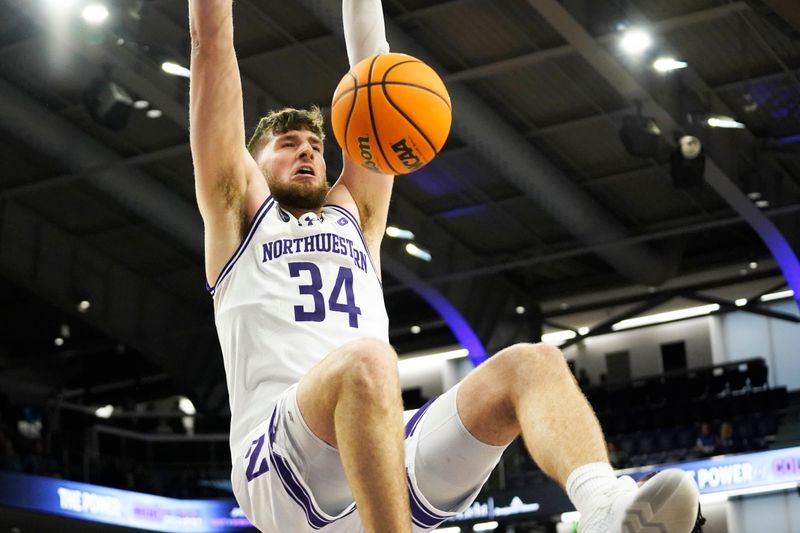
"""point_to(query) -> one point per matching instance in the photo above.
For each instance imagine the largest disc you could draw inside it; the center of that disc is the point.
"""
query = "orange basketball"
(391, 113)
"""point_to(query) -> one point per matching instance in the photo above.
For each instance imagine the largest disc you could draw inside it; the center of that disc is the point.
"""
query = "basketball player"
(319, 440)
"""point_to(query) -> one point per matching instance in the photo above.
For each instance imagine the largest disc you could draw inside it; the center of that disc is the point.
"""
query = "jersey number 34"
(344, 282)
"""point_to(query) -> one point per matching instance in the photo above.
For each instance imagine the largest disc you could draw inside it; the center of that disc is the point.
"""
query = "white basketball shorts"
(287, 480)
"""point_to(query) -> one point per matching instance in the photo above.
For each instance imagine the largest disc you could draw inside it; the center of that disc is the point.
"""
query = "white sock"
(586, 483)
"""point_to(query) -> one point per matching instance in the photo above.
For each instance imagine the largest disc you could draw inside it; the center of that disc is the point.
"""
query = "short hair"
(283, 120)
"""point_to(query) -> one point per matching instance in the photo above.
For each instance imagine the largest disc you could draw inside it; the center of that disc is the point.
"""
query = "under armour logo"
(309, 220)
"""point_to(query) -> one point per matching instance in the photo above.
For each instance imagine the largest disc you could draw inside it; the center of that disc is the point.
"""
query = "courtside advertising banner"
(82, 501)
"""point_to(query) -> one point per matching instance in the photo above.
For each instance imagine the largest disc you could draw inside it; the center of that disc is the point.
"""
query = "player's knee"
(533, 360)
(371, 366)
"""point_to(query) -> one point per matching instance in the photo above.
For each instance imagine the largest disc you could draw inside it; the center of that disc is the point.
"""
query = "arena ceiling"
(533, 202)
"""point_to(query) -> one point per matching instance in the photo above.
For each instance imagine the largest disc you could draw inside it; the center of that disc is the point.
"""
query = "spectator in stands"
(706, 443)
(727, 441)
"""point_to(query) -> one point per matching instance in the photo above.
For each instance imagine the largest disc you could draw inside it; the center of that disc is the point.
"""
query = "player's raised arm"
(222, 164)
(364, 189)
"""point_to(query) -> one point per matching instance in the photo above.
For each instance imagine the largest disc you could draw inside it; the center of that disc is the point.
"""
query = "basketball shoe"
(666, 503)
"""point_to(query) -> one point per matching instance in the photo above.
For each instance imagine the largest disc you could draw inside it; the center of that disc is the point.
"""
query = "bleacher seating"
(656, 418)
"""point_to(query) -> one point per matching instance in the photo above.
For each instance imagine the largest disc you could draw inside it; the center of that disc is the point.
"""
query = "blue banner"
(737, 472)
(120, 507)
(728, 473)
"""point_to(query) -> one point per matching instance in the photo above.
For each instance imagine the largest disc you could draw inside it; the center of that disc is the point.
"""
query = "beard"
(299, 195)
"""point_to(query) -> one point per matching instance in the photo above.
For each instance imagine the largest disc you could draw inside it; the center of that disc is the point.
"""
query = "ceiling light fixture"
(780, 295)
(419, 253)
(557, 338)
(175, 69)
(154, 113)
(740, 302)
(667, 64)
(399, 233)
(520, 310)
(668, 316)
(485, 526)
(186, 406)
(687, 163)
(415, 329)
(95, 13)
(635, 41)
(84, 306)
(104, 412)
(724, 122)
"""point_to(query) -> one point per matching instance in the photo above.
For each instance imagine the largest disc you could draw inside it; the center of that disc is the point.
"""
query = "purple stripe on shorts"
(292, 485)
(411, 425)
(422, 515)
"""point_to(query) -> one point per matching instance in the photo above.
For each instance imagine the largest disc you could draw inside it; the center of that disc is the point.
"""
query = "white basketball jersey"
(294, 290)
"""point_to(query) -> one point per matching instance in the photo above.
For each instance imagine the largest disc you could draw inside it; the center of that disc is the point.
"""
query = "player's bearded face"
(295, 170)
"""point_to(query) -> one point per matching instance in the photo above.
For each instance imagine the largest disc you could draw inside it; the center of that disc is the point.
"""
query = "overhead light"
(667, 64)
(669, 316)
(154, 113)
(724, 122)
(175, 69)
(520, 310)
(635, 41)
(449, 530)
(186, 406)
(415, 329)
(58, 341)
(105, 411)
(687, 164)
(755, 195)
(639, 134)
(141, 104)
(485, 526)
(399, 233)
(570, 517)
(753, 265)
(84, 306)
(777, 295)
(406, 363)
(741, 302)
(558, 337)
(419, 253)
(108, 103)
(94, 13)
(583, 331)
(762, 204)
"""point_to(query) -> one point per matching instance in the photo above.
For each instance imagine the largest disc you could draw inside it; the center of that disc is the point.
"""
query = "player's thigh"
(365, 363)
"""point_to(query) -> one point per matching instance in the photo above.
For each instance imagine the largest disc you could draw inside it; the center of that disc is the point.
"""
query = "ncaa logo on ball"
(406, 154)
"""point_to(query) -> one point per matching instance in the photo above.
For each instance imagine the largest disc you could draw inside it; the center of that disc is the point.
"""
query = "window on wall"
(618, 366)
(673, 356)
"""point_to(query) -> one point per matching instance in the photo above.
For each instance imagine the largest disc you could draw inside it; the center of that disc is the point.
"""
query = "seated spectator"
(706, 443)
(727, 441)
